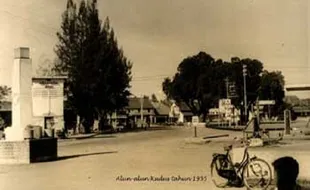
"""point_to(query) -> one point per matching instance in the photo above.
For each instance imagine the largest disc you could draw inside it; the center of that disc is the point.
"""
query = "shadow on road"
(82, 155)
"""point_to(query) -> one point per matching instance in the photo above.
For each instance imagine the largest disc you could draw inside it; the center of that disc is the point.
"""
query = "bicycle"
(238, 174)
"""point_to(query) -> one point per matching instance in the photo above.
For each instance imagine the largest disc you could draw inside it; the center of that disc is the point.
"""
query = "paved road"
(115, 161)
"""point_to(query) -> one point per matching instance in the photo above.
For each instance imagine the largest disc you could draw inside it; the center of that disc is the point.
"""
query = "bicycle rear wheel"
(257, 174)
(219, 163)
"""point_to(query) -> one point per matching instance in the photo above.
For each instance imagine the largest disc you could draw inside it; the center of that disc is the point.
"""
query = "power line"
(162, 75)
(148, 78)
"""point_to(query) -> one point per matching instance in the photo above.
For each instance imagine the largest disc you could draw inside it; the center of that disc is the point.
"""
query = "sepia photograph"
(155, 94)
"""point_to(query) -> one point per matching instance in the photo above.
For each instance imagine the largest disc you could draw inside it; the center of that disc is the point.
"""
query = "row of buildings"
(49, 110)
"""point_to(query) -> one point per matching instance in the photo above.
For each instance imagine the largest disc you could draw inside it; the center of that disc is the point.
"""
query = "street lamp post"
(244, 88)
(227, 86)
(196, 118)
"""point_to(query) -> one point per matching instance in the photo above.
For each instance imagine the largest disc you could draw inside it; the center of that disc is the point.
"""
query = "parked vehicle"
(252, 172)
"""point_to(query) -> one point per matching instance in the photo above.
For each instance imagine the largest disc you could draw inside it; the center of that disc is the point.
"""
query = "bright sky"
(157, 35)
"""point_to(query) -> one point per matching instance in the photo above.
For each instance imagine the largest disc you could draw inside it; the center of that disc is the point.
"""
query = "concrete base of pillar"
(13, 134)
(28, 151)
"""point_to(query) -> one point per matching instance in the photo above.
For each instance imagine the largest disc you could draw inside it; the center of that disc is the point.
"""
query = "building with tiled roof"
(134, 112)
(162, 112)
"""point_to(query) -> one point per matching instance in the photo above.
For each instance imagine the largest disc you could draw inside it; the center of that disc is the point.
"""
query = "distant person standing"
(286, 173)
(256, 130)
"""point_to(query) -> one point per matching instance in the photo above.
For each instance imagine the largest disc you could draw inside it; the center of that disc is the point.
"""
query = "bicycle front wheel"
(257, 174)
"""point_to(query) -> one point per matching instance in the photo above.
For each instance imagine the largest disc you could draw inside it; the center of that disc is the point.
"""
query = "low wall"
(12, 152)
(28, 151)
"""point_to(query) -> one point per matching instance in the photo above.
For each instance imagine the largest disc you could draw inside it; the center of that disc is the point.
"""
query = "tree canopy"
(272, 88)
(46, 68)
(98, 71)
(201, 81)
(154, 98)
(4, 92)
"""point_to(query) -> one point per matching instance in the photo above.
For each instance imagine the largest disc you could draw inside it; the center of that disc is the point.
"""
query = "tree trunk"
(87, 128)
(204, 117)
(78, 123)
(87, 123)
(102, 121)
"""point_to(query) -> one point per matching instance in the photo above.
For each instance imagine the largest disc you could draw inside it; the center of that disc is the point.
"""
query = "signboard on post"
(195, 120)
(224, 104)
(48, 97)
(266, 102)
(232, 90)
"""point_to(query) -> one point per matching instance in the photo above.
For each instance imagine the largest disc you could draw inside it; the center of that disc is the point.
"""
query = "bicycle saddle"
(227, 147)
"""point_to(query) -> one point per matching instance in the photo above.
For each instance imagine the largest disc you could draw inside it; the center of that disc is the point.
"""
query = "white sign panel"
(195, 120)
(266, 102)
(47, 99)
(224, 104)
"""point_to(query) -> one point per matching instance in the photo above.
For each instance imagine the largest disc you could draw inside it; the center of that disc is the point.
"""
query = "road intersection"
(153, 159)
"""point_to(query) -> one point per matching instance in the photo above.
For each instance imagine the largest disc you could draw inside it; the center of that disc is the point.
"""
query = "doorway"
(48, 122)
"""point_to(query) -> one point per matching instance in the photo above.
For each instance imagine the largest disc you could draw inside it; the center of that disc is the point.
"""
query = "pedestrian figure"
(286, 173)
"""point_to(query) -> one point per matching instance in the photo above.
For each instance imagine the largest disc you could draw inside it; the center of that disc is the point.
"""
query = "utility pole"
(227, 86)
(244, 71)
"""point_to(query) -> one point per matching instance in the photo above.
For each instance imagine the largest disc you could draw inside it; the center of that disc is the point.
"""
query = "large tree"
(113, 79)
(198, 83)
(201, 81)
(272, 88)
(253, 80)
(98, 72)
(47, 68)
(4, 92)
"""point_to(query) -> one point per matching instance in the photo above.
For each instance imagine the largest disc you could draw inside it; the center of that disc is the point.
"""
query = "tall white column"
(21, 94)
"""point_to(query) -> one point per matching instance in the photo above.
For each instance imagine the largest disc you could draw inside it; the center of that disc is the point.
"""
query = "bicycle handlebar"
(242, 142)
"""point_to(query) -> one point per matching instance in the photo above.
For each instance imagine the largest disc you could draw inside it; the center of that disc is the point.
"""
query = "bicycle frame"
(245, 160)
(239, 170)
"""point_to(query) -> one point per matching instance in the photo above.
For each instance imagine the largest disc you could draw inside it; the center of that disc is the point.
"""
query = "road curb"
(225, 128)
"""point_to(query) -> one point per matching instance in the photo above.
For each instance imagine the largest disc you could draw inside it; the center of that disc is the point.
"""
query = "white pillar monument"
(21, 95)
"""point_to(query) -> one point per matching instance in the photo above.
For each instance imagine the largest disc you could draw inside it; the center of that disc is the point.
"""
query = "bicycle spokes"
(257, 174)
(257, 170)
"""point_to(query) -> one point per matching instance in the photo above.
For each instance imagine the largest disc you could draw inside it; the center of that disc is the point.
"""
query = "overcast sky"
(157, 34)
